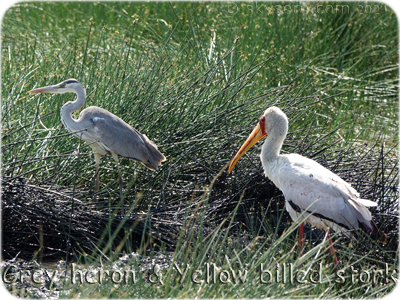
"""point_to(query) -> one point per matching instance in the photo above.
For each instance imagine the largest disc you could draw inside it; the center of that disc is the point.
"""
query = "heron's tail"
(155, 159)
(155, 156)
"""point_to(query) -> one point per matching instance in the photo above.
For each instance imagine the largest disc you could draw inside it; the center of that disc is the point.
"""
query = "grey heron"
(311, 191)
(104, 132)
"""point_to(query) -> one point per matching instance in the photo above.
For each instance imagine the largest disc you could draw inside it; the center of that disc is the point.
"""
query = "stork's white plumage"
(325, 200)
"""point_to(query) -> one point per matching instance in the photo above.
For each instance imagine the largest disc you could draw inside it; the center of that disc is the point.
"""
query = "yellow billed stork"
(320, 196)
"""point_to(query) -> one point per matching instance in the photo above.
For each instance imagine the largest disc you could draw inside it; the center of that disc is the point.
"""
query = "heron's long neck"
(69, 107)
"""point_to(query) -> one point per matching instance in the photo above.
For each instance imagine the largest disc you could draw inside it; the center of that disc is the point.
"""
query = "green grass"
(154, 65)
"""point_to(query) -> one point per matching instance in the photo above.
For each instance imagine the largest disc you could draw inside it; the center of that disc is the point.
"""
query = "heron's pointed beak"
(253, 138)
(46, 89)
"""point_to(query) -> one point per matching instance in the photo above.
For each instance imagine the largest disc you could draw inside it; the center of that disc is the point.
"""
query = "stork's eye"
(262, 125)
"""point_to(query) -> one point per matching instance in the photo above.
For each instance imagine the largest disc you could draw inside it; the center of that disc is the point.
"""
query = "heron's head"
(67, 86)
(274, 121)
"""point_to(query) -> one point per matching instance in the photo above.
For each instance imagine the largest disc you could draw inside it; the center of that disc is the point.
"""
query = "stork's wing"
(120, 138)
(305, 183)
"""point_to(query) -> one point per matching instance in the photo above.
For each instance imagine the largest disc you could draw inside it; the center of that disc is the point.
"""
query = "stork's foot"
(332, 250)
(301, 238)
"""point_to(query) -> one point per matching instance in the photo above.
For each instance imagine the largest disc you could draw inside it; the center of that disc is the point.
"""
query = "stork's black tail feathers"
(372, 230)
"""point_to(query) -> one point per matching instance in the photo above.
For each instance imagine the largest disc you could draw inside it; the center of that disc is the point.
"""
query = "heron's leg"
(115, 156)
(301, 236)
(97, 157)
(331, 247)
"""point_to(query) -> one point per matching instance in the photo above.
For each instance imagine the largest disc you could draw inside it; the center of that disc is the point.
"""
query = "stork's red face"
(256, 135)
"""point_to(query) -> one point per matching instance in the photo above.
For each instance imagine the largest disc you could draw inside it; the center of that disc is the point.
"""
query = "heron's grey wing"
(122, 139)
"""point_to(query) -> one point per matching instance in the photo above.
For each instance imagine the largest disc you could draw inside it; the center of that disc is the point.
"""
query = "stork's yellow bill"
(256, 135)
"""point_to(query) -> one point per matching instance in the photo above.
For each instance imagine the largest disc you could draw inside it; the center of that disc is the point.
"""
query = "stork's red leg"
(331, 248)
(301, 236)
